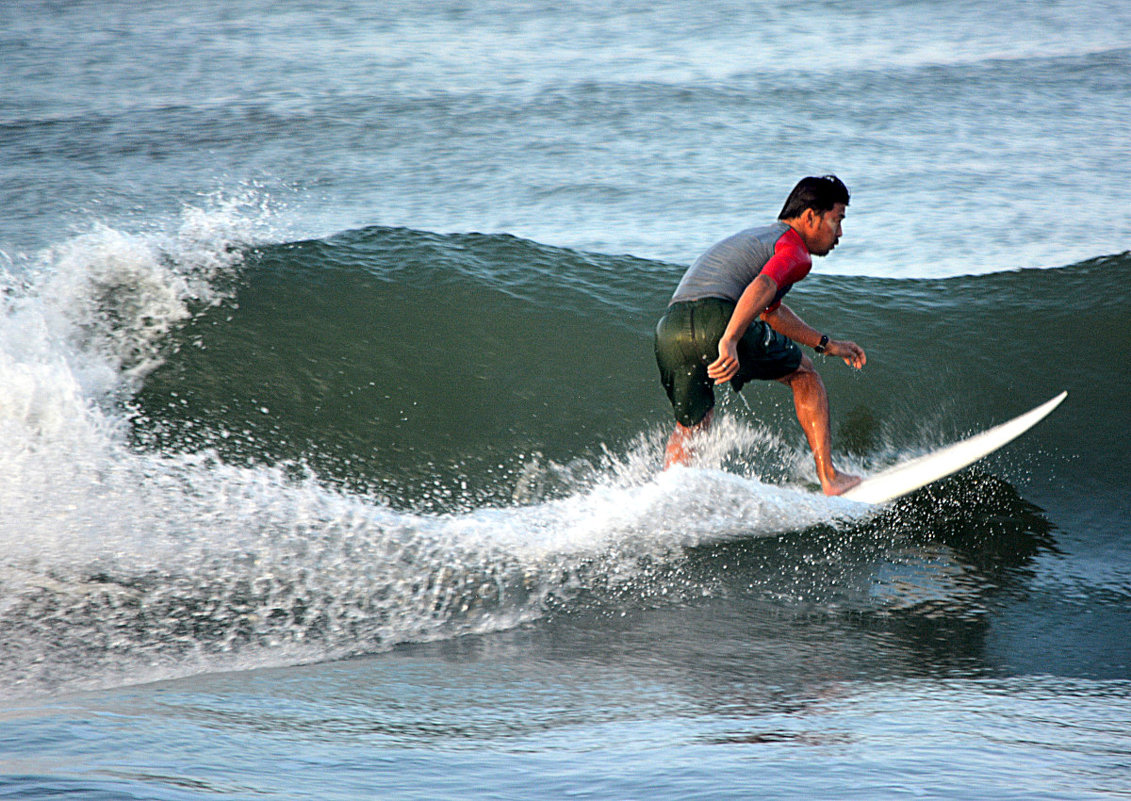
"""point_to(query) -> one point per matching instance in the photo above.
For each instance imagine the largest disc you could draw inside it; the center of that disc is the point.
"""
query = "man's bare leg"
(812, 404)
(679, 449)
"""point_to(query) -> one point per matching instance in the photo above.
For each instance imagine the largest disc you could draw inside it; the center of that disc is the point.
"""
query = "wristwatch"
(820, 346)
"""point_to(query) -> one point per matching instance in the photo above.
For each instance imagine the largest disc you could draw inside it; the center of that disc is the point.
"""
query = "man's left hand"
(852, 353)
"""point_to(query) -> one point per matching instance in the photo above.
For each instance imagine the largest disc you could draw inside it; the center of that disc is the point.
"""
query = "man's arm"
(785, 322)
(755, 298)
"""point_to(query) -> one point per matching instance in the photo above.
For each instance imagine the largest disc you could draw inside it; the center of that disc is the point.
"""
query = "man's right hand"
(725, 367)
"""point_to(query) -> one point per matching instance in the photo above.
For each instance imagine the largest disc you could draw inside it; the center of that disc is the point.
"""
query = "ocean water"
(330, 427)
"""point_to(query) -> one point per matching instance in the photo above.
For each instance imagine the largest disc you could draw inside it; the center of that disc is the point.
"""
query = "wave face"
(226, 452)
(389, 357)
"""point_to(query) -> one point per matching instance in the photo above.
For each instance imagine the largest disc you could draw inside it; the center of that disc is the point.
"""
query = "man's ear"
(810, 218)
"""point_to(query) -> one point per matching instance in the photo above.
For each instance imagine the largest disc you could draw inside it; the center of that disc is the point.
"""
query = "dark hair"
(819, 194)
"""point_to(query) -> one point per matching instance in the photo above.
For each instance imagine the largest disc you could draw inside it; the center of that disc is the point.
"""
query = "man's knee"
(805, 371)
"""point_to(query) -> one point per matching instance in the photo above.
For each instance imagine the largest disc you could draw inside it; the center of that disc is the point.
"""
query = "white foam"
(124, 565)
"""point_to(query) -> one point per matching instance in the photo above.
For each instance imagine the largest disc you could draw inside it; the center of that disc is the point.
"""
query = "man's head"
(815, 209)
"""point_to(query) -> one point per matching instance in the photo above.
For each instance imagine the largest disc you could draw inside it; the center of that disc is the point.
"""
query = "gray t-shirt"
(728, 267)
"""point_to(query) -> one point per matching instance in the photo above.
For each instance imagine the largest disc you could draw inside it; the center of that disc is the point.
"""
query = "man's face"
(824, 230)
(821, 232)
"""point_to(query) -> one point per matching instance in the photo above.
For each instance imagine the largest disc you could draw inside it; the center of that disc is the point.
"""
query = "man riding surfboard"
(726, 322)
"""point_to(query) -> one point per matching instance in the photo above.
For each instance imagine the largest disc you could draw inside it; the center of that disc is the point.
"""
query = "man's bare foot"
(679, 449)
(840, 483)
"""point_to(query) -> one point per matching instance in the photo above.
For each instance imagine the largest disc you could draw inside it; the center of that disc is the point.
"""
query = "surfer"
(726, 322)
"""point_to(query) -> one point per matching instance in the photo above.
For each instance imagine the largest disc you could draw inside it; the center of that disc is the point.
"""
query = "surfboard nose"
(908, 476)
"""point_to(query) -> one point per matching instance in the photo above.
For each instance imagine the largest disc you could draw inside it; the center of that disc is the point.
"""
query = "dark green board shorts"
(687, 340)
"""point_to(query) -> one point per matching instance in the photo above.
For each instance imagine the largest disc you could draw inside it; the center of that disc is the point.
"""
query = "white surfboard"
(915, 473)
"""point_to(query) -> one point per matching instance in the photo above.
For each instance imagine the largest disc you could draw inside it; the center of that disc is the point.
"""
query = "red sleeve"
(790, 263)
